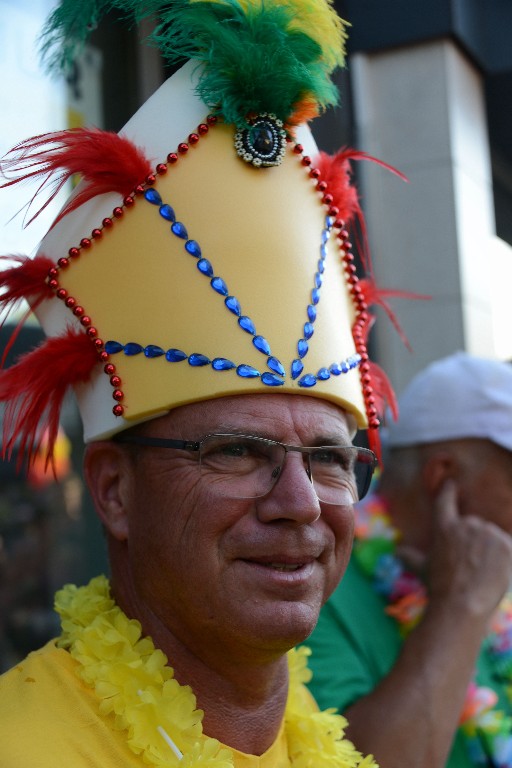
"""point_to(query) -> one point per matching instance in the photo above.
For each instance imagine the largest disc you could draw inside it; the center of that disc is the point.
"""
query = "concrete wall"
(421, 109)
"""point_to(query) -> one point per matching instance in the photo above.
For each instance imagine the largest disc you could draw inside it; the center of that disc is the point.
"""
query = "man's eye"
(236, 450)
(325, 456)
(242, 450)
(333, 458)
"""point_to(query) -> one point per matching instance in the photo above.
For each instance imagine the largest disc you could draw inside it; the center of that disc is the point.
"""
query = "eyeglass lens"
(248, 467)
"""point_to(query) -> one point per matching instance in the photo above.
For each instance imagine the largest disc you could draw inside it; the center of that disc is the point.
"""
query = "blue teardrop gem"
(315, 295)
(193, 248)
(219, 285)
(198, 360)
(311, 313)
(323, 374)
(247, 324)
(167, 213)
(297, 368)
(307, 381)
(302, 347)
(318, 280)
(152, 196)
(233, 305)
(345, 367)
(205, 267)
(179, 230)
(222, 364)
(247, 372)
(132, 348)
(354, 361)
(323, 252)
(309, 330)
(175, 355)
(112, 347)
(275, 365)
(335, 369)
(153, 351)
(325, 236)
(271, 380)
(321, 266)
(261, 344)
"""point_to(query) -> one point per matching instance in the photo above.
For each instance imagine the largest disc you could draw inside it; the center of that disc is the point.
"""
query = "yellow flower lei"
(138, 691)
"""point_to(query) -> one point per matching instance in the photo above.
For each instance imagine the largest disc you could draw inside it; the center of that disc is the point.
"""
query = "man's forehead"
(262, 413)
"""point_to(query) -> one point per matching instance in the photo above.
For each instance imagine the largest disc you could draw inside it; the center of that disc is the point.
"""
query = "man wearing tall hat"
(198, 293)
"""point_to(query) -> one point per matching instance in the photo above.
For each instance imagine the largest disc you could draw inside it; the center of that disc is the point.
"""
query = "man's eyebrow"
(340, 439)
(228, 429)
(323, 439)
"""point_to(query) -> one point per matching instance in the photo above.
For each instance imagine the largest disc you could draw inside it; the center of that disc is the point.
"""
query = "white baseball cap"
(459, 396)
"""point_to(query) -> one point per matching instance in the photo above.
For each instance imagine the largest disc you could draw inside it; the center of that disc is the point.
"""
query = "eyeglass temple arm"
(157, 442)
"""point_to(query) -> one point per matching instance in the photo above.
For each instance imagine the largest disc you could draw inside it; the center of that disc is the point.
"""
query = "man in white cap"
(415, 646)
(198, 292)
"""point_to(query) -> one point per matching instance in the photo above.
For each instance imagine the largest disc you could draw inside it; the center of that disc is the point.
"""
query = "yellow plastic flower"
(208, 753)
(300, 674)
(137, 690)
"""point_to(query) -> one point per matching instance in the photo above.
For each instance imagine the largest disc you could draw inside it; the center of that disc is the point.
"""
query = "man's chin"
(290, 625)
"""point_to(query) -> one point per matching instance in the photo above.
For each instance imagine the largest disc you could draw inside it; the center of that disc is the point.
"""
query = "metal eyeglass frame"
(364, 455)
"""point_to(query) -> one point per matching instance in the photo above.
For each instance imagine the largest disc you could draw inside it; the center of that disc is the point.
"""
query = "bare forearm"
(411, 718)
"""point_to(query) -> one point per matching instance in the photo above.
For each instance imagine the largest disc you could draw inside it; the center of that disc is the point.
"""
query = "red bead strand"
(96, 234)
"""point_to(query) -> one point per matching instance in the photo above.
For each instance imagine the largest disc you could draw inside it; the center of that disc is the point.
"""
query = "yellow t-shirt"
(49, 719)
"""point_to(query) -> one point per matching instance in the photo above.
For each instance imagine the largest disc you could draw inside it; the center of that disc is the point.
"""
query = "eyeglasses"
(248, 467)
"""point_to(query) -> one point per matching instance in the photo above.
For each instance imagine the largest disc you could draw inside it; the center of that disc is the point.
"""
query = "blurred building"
(431, 94)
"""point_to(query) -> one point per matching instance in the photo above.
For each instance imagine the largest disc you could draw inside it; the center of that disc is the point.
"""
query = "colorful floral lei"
(137, 691)
(487, 730)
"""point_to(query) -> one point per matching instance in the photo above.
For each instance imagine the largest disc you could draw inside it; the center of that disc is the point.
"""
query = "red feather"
(107, 161)
(34, 388)
(383, 391)
(374, 443)
(384, 397)
(27, 281)
(366, 326)
(374, 295)
(336, 171)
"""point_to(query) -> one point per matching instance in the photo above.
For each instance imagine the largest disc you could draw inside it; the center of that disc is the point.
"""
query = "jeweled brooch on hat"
(263, 143)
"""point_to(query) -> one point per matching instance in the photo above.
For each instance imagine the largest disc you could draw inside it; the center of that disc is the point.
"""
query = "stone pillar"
(422, 110)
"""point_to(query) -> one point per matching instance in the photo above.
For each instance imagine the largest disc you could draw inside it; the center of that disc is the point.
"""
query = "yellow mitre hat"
(205, 252)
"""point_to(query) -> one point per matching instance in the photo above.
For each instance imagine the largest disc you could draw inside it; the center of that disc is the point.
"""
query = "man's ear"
(437, 469)
(107, 471)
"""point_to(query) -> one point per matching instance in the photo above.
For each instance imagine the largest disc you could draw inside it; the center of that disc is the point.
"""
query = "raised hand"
(470, 563)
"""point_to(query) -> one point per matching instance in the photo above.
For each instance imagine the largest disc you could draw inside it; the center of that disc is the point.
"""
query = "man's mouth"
(284, 566)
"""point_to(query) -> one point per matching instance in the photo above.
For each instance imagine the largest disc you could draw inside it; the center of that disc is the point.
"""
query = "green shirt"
(356, 644)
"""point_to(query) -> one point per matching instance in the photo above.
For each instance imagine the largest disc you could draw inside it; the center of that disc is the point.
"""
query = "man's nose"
(293, 496)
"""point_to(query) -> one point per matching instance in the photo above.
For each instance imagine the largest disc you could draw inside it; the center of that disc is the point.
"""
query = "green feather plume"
(257, 55)
(254, 61)
(67, 29)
